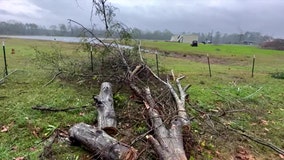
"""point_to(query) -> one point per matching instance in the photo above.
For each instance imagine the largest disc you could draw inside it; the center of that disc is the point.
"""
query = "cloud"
(226, 16)
(61, 10)
(21, 8)
(204, 15)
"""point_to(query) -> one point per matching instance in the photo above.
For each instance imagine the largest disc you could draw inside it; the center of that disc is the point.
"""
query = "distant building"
(248, 42)
(184, 38)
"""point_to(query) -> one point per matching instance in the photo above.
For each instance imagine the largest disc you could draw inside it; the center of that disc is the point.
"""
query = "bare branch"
(173, 74)
(2, 79)
(86, 29)
(52, 109)
(156, 76)
(139, 50)
(53, 78)
(258, 140)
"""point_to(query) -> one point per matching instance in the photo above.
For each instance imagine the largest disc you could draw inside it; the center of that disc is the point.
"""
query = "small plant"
(141, 129)
(119, 100)
(49, 130)
(278, 75)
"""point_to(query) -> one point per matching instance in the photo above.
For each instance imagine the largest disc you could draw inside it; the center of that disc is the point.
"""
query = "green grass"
(24, 89)
(222, 49)
(230, 87)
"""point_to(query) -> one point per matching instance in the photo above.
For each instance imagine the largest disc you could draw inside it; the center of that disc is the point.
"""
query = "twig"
(229, 100)
(139, 51)
(251, 137)
(154, 74)
(93, 35)
(140, 137)
(44, 108)
(230, 111)
(52, 79)
(242, 132)
(253, 93)
(2, 79)
(123, 59)
(258, 140)
(173, 74)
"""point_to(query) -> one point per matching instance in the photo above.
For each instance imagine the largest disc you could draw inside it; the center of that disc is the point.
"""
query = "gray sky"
(226, 16)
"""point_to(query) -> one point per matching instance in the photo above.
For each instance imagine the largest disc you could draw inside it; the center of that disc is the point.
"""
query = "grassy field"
(231, 87)
(27, 128)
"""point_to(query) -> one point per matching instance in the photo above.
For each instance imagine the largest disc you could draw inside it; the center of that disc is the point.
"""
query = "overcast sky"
(226, 16)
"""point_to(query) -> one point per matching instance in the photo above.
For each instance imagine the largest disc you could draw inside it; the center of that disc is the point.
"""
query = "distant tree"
(32, 28)
(136, 33)
(217, 38)
(166, 35)
(53, 29)
(62, 29)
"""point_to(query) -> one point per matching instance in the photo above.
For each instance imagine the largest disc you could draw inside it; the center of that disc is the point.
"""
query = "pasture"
(257, 103)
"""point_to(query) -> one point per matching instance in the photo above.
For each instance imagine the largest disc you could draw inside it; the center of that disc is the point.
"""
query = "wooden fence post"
(92, 63)
(209, 67)
(5, 61)
(253, 62)
(157, 64)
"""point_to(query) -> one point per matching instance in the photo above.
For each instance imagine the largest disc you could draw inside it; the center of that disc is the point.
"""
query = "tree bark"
(167, 142)
(98, 139)
(99, 142)
(106, 114)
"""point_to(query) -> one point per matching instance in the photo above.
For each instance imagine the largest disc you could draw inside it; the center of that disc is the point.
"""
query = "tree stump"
(106, 114)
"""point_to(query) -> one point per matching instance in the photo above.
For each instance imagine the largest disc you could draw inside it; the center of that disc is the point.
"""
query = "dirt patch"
(243, 153)
(203, 58)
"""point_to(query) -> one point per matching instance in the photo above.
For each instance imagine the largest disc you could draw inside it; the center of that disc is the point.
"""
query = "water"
(50, 38)
(64, 39)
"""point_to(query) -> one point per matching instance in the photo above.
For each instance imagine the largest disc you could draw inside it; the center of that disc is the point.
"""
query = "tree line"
(12, 27)
(235, 38)
(18, 28)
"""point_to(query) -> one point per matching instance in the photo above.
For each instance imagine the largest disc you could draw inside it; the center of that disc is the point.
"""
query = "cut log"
(106, 114)
(168, 143)
(99, 142)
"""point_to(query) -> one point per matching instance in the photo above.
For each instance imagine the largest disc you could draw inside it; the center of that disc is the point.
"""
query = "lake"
(50, 38)
(65, 39)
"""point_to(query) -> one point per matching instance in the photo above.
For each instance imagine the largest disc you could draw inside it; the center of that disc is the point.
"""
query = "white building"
(184, 38)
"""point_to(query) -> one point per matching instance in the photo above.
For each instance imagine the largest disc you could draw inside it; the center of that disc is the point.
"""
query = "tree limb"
(52, 79)
(99, 142)
(2, 79)
(51, 109)
(258, 140)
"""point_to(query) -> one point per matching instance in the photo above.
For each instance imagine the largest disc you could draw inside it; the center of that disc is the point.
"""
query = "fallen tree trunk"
(106, 114)
(98, 139)
(99, 142)
(167, 142)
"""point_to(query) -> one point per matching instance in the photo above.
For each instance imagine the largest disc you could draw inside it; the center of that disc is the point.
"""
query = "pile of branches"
(164, 107)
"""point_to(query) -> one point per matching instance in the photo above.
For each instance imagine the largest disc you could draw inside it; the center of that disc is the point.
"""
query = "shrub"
(278, 75)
